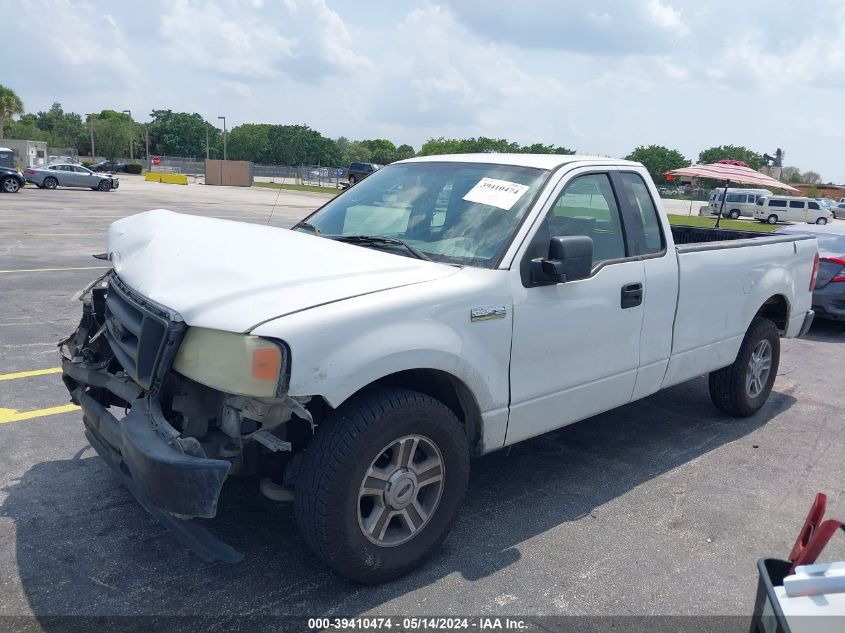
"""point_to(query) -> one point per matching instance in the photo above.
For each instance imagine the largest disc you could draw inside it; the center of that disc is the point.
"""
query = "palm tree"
(10, 105)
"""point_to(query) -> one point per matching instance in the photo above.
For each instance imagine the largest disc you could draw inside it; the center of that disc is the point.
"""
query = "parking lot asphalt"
(660, 507)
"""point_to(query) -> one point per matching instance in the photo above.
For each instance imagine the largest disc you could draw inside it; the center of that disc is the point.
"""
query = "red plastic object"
(814, 535)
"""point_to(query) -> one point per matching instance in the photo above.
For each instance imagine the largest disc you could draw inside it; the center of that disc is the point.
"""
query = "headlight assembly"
(239, 364)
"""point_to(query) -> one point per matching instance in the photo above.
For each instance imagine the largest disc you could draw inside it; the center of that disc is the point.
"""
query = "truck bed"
(699, 234)
(724, 278)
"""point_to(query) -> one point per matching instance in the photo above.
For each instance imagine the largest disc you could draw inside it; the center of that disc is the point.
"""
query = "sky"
(598, 76)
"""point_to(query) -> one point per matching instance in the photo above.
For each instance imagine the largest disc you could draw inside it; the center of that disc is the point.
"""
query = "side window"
(815, 205)
(649, 221)
(777, 203)
(588, 207)
(734, 197)
(796, 204)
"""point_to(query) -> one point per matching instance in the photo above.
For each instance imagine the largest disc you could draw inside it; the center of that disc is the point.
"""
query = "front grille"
(143, 336)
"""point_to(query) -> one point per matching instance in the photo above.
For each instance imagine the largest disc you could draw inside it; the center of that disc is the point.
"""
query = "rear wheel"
(821, 221)
(50, 183)
(743, 387)
(733, 215)
(104, 185)
(10, 184)
(772, 219)
(381, 483)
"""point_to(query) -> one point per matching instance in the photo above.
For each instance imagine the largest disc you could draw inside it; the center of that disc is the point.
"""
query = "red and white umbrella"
(731, 171)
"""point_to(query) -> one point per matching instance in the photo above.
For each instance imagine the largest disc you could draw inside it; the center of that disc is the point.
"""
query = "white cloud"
(231, 43)
(666, 17)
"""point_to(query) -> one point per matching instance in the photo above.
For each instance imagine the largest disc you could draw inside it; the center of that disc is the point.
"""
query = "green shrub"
(133, 168)
(87, 163)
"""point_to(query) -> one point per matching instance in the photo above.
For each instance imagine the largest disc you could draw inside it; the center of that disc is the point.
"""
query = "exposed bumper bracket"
(808, 321)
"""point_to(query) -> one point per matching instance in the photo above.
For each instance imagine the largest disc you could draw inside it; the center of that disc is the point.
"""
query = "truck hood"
(233, 276)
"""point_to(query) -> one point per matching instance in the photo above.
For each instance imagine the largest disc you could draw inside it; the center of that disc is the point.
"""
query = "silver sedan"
(69, 175)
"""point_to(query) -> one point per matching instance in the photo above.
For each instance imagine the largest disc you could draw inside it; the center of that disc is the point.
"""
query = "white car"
(444, 307)
(774, 209)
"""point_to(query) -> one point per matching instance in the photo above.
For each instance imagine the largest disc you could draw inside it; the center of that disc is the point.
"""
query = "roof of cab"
(538, 161)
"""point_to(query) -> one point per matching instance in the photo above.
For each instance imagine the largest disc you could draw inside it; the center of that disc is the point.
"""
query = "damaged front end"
(180, 439)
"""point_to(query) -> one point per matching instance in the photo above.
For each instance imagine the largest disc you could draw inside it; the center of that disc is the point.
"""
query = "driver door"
(576, 345)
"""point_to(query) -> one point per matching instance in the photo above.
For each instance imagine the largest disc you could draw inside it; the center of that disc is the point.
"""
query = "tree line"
(190, 135)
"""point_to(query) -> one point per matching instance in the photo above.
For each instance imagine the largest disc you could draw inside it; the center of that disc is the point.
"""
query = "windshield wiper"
(306, 225)
(380, 239)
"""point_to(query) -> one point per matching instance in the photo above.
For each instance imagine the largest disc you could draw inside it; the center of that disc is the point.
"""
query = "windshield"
(460, 213)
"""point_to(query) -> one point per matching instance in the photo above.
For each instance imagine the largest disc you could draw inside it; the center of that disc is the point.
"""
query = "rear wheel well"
(446, 388)
(776, 309)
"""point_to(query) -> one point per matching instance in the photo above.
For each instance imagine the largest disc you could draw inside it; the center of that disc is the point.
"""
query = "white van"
(776, 209)
(738, 201)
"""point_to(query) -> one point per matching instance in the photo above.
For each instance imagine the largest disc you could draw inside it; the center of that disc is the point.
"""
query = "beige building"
(27, 153)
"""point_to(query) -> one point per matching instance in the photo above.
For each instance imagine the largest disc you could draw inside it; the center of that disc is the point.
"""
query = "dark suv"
(108, 165)
(359, 171)
(10, 180)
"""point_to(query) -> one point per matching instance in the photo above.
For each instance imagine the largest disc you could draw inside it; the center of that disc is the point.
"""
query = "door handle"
(632, 295)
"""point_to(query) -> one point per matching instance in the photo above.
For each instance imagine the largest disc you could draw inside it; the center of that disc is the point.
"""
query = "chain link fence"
(311, 175)
(62, 153)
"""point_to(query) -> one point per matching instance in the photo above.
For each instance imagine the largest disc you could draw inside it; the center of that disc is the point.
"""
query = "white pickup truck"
(444, 307)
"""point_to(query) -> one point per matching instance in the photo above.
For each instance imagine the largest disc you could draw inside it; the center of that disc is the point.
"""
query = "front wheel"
(381, 483)
(821, 221)
(772, 219)
(50, 183)
(742, 388)
(10, 185)
(104, 185)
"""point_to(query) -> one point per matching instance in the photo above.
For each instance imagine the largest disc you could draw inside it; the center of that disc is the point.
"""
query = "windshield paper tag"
(496, 193)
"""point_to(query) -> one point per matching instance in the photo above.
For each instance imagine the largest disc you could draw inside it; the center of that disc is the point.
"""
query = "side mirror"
(570, 259)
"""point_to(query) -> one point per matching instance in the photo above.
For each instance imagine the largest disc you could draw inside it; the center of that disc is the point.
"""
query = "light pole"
(147, 134)
(131, 152)
(207, 156)
(224, 136)
(91, 120)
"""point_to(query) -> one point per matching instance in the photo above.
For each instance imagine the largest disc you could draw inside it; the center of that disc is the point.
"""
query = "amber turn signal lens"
(266, 363)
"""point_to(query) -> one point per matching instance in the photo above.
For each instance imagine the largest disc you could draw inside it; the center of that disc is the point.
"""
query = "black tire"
(50, 183)
(346, 444)
(734, 215)
(728, 386)
(104, 185)
(821, 221)
(10, 184)
(772, 219)
(352, 180)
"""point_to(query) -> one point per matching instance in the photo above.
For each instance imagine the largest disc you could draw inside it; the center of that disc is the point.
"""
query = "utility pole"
(91, 120)
(147, 133)
(131, 135)
(224, 136)
(207, 156)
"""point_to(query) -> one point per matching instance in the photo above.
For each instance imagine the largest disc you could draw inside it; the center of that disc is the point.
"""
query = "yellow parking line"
(13, 415)
(27, 374)
(52, 270)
